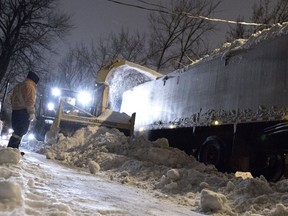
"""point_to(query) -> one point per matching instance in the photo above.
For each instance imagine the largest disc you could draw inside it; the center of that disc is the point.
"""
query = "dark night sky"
(95, 18)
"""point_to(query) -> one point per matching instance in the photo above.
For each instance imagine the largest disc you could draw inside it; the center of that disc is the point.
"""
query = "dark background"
(97, 18)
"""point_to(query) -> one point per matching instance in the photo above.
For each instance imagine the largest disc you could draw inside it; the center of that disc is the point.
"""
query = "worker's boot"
(14, 142)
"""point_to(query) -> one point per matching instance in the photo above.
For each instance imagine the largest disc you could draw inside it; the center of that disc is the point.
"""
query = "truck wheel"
(213, 151)
(271, 166)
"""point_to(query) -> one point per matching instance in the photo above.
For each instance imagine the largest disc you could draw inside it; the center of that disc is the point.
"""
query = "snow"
(37, 186)
(276, 30)
(100, 171)
(123, 78)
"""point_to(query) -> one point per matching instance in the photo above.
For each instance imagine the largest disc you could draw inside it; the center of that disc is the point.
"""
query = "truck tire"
(213, 151)
(271, 166)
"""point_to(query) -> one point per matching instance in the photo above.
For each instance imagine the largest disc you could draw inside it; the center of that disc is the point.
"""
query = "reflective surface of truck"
(229, 109)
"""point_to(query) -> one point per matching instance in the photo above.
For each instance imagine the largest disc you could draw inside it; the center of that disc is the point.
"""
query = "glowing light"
(56, 92)
(171, 126)
(10, 131)
(50, 106)
(84, 97)
(216, 122)
(48, 121)
(31, 136)
(141, 129)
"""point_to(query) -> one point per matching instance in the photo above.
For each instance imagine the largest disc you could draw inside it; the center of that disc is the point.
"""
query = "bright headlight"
(50, 106)
(84, 98)
(31, 136)
(56, 92)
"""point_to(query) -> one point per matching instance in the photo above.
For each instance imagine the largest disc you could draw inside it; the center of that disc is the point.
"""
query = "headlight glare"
(84, 97)
(31, 136)
(50, 106)
(56, 92)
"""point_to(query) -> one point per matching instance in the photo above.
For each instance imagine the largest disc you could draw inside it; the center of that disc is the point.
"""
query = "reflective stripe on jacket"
(24, 96)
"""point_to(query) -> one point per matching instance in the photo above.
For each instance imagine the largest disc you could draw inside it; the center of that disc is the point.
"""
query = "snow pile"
(29, 187)
(230, 48)
(10, 196)
(168, 173)
(37, 186)
(9, 156)
(10, 192)
(14, 183)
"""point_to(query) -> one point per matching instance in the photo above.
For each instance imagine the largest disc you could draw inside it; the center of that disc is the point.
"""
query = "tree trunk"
(4, 63)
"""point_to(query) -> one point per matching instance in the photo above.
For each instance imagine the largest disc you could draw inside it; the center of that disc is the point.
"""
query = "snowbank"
(10, 192)
(37, 186)
(168, 172)
(238, 45)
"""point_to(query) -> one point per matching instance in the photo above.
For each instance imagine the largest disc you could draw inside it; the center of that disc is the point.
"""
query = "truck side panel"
(239, 86)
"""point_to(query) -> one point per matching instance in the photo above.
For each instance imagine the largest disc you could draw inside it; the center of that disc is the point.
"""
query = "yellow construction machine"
(69, 116)
(68, 122)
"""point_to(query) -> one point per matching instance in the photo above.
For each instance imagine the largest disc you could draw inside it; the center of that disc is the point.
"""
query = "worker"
(23, 100)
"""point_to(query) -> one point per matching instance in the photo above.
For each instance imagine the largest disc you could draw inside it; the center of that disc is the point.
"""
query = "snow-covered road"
(52, 189)
(111, 174)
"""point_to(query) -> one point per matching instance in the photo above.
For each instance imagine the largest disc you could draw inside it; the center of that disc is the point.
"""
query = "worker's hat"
(34, 77)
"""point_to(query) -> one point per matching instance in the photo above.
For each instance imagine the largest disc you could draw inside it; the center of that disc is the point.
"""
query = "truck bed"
(246, 84)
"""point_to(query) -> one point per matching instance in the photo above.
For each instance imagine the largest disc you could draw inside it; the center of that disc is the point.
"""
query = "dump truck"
(228, 109)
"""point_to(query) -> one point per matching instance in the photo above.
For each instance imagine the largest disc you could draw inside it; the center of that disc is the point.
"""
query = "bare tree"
(179, 35)
(238, 31)
(125, 45)
(265, 12)
(81, 64)
(78, 67)
(73, 72)
(27, 28)
(270, 12)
